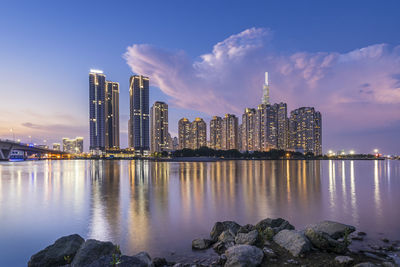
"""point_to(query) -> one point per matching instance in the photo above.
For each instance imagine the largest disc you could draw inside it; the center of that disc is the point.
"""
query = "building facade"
(248, 123)
(112, 115)
(305, 129)
(159, 127)
(198, 133)
(139, 117)
(57, 146)
(216, 133)
(97, 83)
(184, 129)
(73, 146)
(230, 133)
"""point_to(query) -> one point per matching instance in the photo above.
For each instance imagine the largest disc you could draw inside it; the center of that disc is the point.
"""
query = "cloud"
(356, 90)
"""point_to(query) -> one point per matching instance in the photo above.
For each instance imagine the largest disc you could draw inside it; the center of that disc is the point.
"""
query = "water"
(160, 207)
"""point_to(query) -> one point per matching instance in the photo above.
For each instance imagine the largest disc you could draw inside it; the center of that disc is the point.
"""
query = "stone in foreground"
(365, 264)
(243, 256)
(344, 260)
(123, 261)
(91, 251)
(293, 241)
(63, 250)
(323, 241)
(249, 238)
(219, 227)
(201, 243)
(334, 229)
(277, 225)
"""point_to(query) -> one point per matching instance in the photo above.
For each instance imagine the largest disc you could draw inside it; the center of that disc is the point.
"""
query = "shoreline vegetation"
(271, 242)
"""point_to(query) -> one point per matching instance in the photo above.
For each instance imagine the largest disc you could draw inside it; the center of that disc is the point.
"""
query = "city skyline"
(350, 78)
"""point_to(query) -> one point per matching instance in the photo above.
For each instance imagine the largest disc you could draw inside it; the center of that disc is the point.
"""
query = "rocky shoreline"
(271, 242)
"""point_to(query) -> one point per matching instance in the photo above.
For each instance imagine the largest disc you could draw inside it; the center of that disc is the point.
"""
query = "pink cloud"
(354, 90)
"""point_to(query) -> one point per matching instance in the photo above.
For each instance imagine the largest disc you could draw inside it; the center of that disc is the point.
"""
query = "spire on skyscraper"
(265, 97)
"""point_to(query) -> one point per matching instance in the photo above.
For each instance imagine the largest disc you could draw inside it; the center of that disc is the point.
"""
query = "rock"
(220, 247)
(243, 256)
(249, 238)
(246, 228)
(344, 260)
(361, 233)
(54, 254)
(219, 227)
(292, 261)
(268, 233)
(144, 257)
(201, 243)
(159, 262)
(120, 261)
(358, 238)
(323, 241)
(226, 236)
(92, 250)
(365, 264)
(373, 256)
(334, 229)
(388, 264)
(269, 252)
(293, 241)
(277, 225)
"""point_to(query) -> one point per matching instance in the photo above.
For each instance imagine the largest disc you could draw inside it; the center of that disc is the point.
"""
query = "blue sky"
(48, 47)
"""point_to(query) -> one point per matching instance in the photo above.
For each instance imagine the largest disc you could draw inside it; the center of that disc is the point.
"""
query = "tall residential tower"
(112, 115)
(159, 127)
(97, 89)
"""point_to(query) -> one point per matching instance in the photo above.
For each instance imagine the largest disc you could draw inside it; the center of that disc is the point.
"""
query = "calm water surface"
(160, 207)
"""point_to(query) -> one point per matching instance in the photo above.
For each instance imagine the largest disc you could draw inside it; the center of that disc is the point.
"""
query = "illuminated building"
(260, 123)
(198, 133)
(138, 125)
(112, 115)
(305, 129)
(184, 133)
(282, 126)
(57, 146)
(230, 134)
(175, 143)
(248, 123)
(159, 127)
(265, 97)
(216, 133)
(97, 82)
(74, 146)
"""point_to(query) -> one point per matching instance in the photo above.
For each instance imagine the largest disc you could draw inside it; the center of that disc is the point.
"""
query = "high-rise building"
(198, 137)
(112, 115)
(97, 82)
(175, 143)
(159, 127)
(230, 133)
(282, 126)
(248, 123)
(216, 133)
(184, 128)
(260, 124)
(57, 146)
(74, 146)
(305, 127)
(272, 127)
(138, 126)
(265, 97)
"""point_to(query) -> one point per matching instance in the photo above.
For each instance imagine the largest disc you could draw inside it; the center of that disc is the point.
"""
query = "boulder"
(334, 229)
(226, 236)
(277, 225)
(293, 241)
(323, 241)
(91, 251)
(219, 227)
(269, 252)
(243, 256)
(249, 238)
(60, 253)
(365, 264)
(220, 247)
(120, 261)
(159, 262)
(144, 257)
(344, 260)
(246, 228)
(201, 243)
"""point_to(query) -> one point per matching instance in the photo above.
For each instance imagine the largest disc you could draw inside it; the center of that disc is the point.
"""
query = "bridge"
(7, 147)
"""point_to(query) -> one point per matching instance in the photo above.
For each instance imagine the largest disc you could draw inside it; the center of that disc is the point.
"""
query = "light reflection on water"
(161, 206)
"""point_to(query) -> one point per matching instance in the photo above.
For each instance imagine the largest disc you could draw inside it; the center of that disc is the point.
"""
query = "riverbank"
(271, 242)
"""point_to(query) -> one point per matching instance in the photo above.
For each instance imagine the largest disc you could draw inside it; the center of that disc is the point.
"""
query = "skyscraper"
(216, 133)
(260, 124)
(272, 127)
(305, 126)
(282, 126)
(198, 137)
(159, 127)
(248, 120)
(138, 125)
(230, 133)
(265, 97)
(112, 115)
(184, 133)
(97, 82)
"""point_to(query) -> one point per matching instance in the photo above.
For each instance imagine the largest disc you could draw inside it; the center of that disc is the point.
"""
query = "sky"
(204, 58)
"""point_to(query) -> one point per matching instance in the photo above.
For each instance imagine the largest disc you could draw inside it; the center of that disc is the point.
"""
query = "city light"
(96, 71)
(352, 152)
